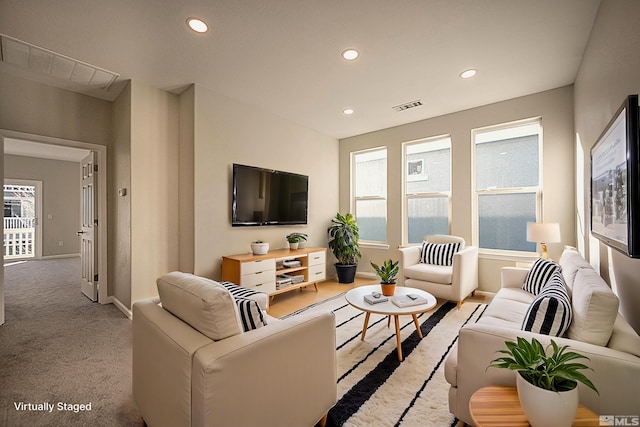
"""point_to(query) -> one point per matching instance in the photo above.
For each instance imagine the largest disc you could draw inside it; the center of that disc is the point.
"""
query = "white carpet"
(374, 387)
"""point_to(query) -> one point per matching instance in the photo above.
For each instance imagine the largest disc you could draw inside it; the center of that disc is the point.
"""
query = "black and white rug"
(374, 387)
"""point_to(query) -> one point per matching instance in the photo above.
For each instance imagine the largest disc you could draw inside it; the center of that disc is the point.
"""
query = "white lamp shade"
(543, 232)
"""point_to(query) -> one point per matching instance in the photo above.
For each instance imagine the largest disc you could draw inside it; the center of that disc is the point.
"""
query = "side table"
(498, 406)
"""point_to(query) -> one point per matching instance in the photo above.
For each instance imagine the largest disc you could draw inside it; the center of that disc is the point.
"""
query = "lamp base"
(544, 255)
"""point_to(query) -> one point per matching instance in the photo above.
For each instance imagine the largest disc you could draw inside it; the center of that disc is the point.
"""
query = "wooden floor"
(288, 302)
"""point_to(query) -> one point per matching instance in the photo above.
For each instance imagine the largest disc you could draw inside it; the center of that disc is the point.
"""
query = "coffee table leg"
(366, 323)
(398, 337)
(415, 322)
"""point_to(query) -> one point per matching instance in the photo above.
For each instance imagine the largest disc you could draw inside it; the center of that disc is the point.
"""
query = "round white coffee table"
(355, 297)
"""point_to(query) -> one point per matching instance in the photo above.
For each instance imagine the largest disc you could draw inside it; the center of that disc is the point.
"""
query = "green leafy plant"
(555, 372)
(345, 239)
(388, 271)
(296, 237)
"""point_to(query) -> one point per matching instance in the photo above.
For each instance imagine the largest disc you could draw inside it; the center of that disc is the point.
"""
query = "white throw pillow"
(438, 253)
(550, 312)
(595, 308)
(202, 303)
(539, 275)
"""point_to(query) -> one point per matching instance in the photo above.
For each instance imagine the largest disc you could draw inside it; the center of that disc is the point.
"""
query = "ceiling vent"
(54, 65)
(408, 105)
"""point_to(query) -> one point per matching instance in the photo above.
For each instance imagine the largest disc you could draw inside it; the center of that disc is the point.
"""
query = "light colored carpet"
(56, 346)
(374, 387)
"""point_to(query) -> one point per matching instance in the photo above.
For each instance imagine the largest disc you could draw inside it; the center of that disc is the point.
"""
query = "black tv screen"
(615, 181)
(268, 197)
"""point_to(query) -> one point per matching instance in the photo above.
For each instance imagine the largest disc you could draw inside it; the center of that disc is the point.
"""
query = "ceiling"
(283, 56)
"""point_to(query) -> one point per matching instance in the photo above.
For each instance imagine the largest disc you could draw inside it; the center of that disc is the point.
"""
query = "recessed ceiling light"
(350, 54)
(348, 111)
(197, 25)
(467, 74)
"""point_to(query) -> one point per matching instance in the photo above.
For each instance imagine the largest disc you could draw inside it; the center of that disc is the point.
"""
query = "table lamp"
(543, 233)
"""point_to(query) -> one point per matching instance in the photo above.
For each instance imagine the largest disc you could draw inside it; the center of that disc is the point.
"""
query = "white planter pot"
(293, 245)
(545, 408)
(259, 248)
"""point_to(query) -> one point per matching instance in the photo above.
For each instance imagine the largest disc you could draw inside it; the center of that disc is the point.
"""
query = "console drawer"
(257, 266)
(317, 258)
(315, 273)
(267, 288)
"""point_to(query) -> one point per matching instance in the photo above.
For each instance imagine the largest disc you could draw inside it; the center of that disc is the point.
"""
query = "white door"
(88, 234)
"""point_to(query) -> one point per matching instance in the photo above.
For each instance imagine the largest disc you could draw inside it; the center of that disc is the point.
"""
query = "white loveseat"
(194, 366)
(597, 331)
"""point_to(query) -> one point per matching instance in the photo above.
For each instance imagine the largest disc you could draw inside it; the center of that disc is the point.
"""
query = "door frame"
(101, 158)
(38, 203)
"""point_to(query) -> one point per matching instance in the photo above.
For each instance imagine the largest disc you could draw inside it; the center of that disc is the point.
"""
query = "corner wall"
(555, 107)
(609, 72)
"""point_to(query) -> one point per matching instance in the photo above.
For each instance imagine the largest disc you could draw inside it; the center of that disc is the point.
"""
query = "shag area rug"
(374, 387)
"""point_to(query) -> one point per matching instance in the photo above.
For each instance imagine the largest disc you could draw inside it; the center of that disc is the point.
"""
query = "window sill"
(372, 245)
(512, 256)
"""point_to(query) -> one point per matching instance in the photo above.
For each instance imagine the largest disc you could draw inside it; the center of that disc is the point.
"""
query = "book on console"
(408, 300)
(373, 300)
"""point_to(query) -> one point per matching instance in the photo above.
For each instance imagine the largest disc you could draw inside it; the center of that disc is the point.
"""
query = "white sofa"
(193, 365)
(454, 282)
(596, 331)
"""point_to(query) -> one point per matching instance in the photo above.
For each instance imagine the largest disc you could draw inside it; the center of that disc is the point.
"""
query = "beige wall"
(227, 132)
(609, 72)
(119, 177)
(555, 109)
(60, 200)
(154, 187)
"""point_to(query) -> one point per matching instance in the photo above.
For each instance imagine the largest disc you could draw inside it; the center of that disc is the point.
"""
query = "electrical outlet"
(60, 243)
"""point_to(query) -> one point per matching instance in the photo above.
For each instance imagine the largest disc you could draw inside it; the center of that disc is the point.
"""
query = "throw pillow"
(550, 312)
(539, 275)
(438, 253)
(251, 315)
(240, 292)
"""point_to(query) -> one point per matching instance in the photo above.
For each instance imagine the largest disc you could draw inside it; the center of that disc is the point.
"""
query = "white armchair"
(454, 283)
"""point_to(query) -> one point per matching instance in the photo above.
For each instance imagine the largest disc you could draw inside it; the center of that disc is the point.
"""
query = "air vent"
(408, 105)
(46, 62)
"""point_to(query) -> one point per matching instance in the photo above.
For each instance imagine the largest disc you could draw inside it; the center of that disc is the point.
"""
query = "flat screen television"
(268, 197)
(615, 181)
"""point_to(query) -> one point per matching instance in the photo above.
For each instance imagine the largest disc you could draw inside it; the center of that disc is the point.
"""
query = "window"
(427, 188)
(507, 184)
(370, 194)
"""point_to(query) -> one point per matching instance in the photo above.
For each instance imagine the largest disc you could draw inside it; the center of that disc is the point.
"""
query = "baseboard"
(60, 256)
(123, 308)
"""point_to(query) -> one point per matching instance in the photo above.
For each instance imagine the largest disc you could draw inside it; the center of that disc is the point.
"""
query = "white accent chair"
(283, 373)
(453, 283)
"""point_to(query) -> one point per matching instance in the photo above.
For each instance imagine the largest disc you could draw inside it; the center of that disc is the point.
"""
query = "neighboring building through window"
(427, 187)
(507, 184)
(369, 172)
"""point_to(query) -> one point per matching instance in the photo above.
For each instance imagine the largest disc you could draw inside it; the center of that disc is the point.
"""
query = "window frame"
(506, 254)
(354, 198)
(430, 194)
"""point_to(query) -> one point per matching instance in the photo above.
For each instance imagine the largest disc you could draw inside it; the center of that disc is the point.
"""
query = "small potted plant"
(547, 385)
(345, 244)
(296, 240)
(259, 247)
(388, 274)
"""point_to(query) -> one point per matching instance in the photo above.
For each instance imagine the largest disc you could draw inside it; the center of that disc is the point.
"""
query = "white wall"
(609, 72)
(60, 200)
(555, 109)
(227, 132)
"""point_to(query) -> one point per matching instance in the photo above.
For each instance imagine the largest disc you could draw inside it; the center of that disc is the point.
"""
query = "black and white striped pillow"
(438, 253)
(539, 275)
(550, 312)
(251, 315)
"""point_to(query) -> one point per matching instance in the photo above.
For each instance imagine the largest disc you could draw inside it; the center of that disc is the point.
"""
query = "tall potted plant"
(547, 385)
(345, 244)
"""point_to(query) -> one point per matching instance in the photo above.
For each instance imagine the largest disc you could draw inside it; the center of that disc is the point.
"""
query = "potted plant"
(345, 244)
(296, 240)
(388, 274)
(259, 247)
(547, 385)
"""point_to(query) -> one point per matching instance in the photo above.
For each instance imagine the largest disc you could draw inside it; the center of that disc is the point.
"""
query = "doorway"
(22, 224)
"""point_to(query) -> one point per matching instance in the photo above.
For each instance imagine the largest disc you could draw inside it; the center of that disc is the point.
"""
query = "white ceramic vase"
(545, 408)
(293, 245)
(259, 248)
